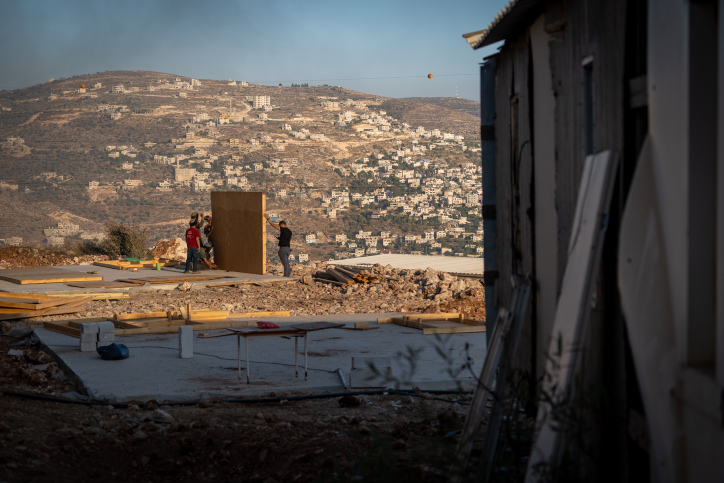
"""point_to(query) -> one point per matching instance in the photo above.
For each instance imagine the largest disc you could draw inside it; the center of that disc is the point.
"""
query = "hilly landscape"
(353, 173)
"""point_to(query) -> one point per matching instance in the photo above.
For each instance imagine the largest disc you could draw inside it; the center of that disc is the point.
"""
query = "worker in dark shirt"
(285, 236)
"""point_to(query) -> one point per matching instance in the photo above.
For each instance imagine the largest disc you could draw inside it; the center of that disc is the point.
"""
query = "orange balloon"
(429, 76)
(82, 86)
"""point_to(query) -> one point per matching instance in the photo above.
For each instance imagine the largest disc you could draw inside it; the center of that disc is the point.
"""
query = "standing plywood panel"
(239, 231)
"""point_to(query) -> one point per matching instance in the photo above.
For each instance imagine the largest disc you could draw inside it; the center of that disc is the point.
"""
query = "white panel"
(571, 321)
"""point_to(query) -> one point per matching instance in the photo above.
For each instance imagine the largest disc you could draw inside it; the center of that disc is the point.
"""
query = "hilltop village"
(354, 173)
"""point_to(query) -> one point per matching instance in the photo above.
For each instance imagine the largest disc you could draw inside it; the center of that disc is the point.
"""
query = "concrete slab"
(155, 371)
(110, 274)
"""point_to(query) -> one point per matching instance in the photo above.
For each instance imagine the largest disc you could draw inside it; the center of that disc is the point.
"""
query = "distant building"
(184, 174)
(260, 101)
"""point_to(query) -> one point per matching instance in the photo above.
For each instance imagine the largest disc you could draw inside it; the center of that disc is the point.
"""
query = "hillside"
(145, 148)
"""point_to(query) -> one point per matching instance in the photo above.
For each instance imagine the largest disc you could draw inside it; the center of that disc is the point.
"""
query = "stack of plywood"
(25, 276)
(24, 306)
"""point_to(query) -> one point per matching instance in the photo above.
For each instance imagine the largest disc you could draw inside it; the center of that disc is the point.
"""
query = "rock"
(19, 333)
(349, 401)
(184, 287)
(457, 286)
(162, 416)
(5, 327)
(15, 354)
(139, 435)
(37, 356)
(174, 249)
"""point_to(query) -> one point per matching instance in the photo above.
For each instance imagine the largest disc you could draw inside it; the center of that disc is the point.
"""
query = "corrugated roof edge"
(507, 22)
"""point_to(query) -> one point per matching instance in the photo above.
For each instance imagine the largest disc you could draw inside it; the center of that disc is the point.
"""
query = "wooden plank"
(62, 329)
(42, 303)
(173, 330)
(240, 231)
(453, 329)
(277, 313)
(62, 310)
(76, 323)
(206, 335)
(312, 326)
(172, 279)
(440, 316)
(483, 390)
(124, 265)
(24, 276)
(572, 318)
(101, 284)
(134, 316)
(202, 314)
(95, 296)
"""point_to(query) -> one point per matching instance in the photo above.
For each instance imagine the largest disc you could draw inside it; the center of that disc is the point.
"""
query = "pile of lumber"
(443, 323)
(346, 276)
(138, 264)
(15, 306)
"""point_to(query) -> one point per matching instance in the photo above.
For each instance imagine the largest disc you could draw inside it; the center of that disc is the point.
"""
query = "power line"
(363, 78)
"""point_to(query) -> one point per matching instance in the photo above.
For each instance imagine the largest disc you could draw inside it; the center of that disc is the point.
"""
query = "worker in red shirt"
(193, 242)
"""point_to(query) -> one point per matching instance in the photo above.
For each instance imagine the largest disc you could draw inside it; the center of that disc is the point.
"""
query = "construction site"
(338, 370)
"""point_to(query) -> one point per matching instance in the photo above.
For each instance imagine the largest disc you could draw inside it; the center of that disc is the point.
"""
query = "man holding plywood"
(285, 249)
(239, 231)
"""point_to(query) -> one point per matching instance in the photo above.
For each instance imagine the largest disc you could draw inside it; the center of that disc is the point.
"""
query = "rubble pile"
(25, 366)
(174, 249)
(388, 290)
(19, 257)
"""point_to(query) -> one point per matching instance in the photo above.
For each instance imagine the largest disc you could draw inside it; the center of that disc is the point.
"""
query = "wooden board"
(278, 313)
(25, 276)
(207, 325)
(141, 264)
(36, 303)
(572, 318)
(94, 296)
(101, 284)
(429, 327)
(239, 231)
(63, 309)
(171, 279)
(62, 329)
(74, 323)
(312, 326)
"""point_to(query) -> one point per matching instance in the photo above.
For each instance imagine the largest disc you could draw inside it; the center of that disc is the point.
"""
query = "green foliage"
(125, 241)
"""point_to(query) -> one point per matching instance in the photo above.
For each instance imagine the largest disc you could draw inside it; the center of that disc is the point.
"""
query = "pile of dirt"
(19, 257)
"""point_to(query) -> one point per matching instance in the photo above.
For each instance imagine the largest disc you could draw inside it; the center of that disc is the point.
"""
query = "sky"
(380, 47)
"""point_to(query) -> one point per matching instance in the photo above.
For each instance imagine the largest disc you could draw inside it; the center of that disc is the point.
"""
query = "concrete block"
(89, 328)
(185, 342)
(88, 346)
(107, 338)
(88, 338)
(106, 327)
